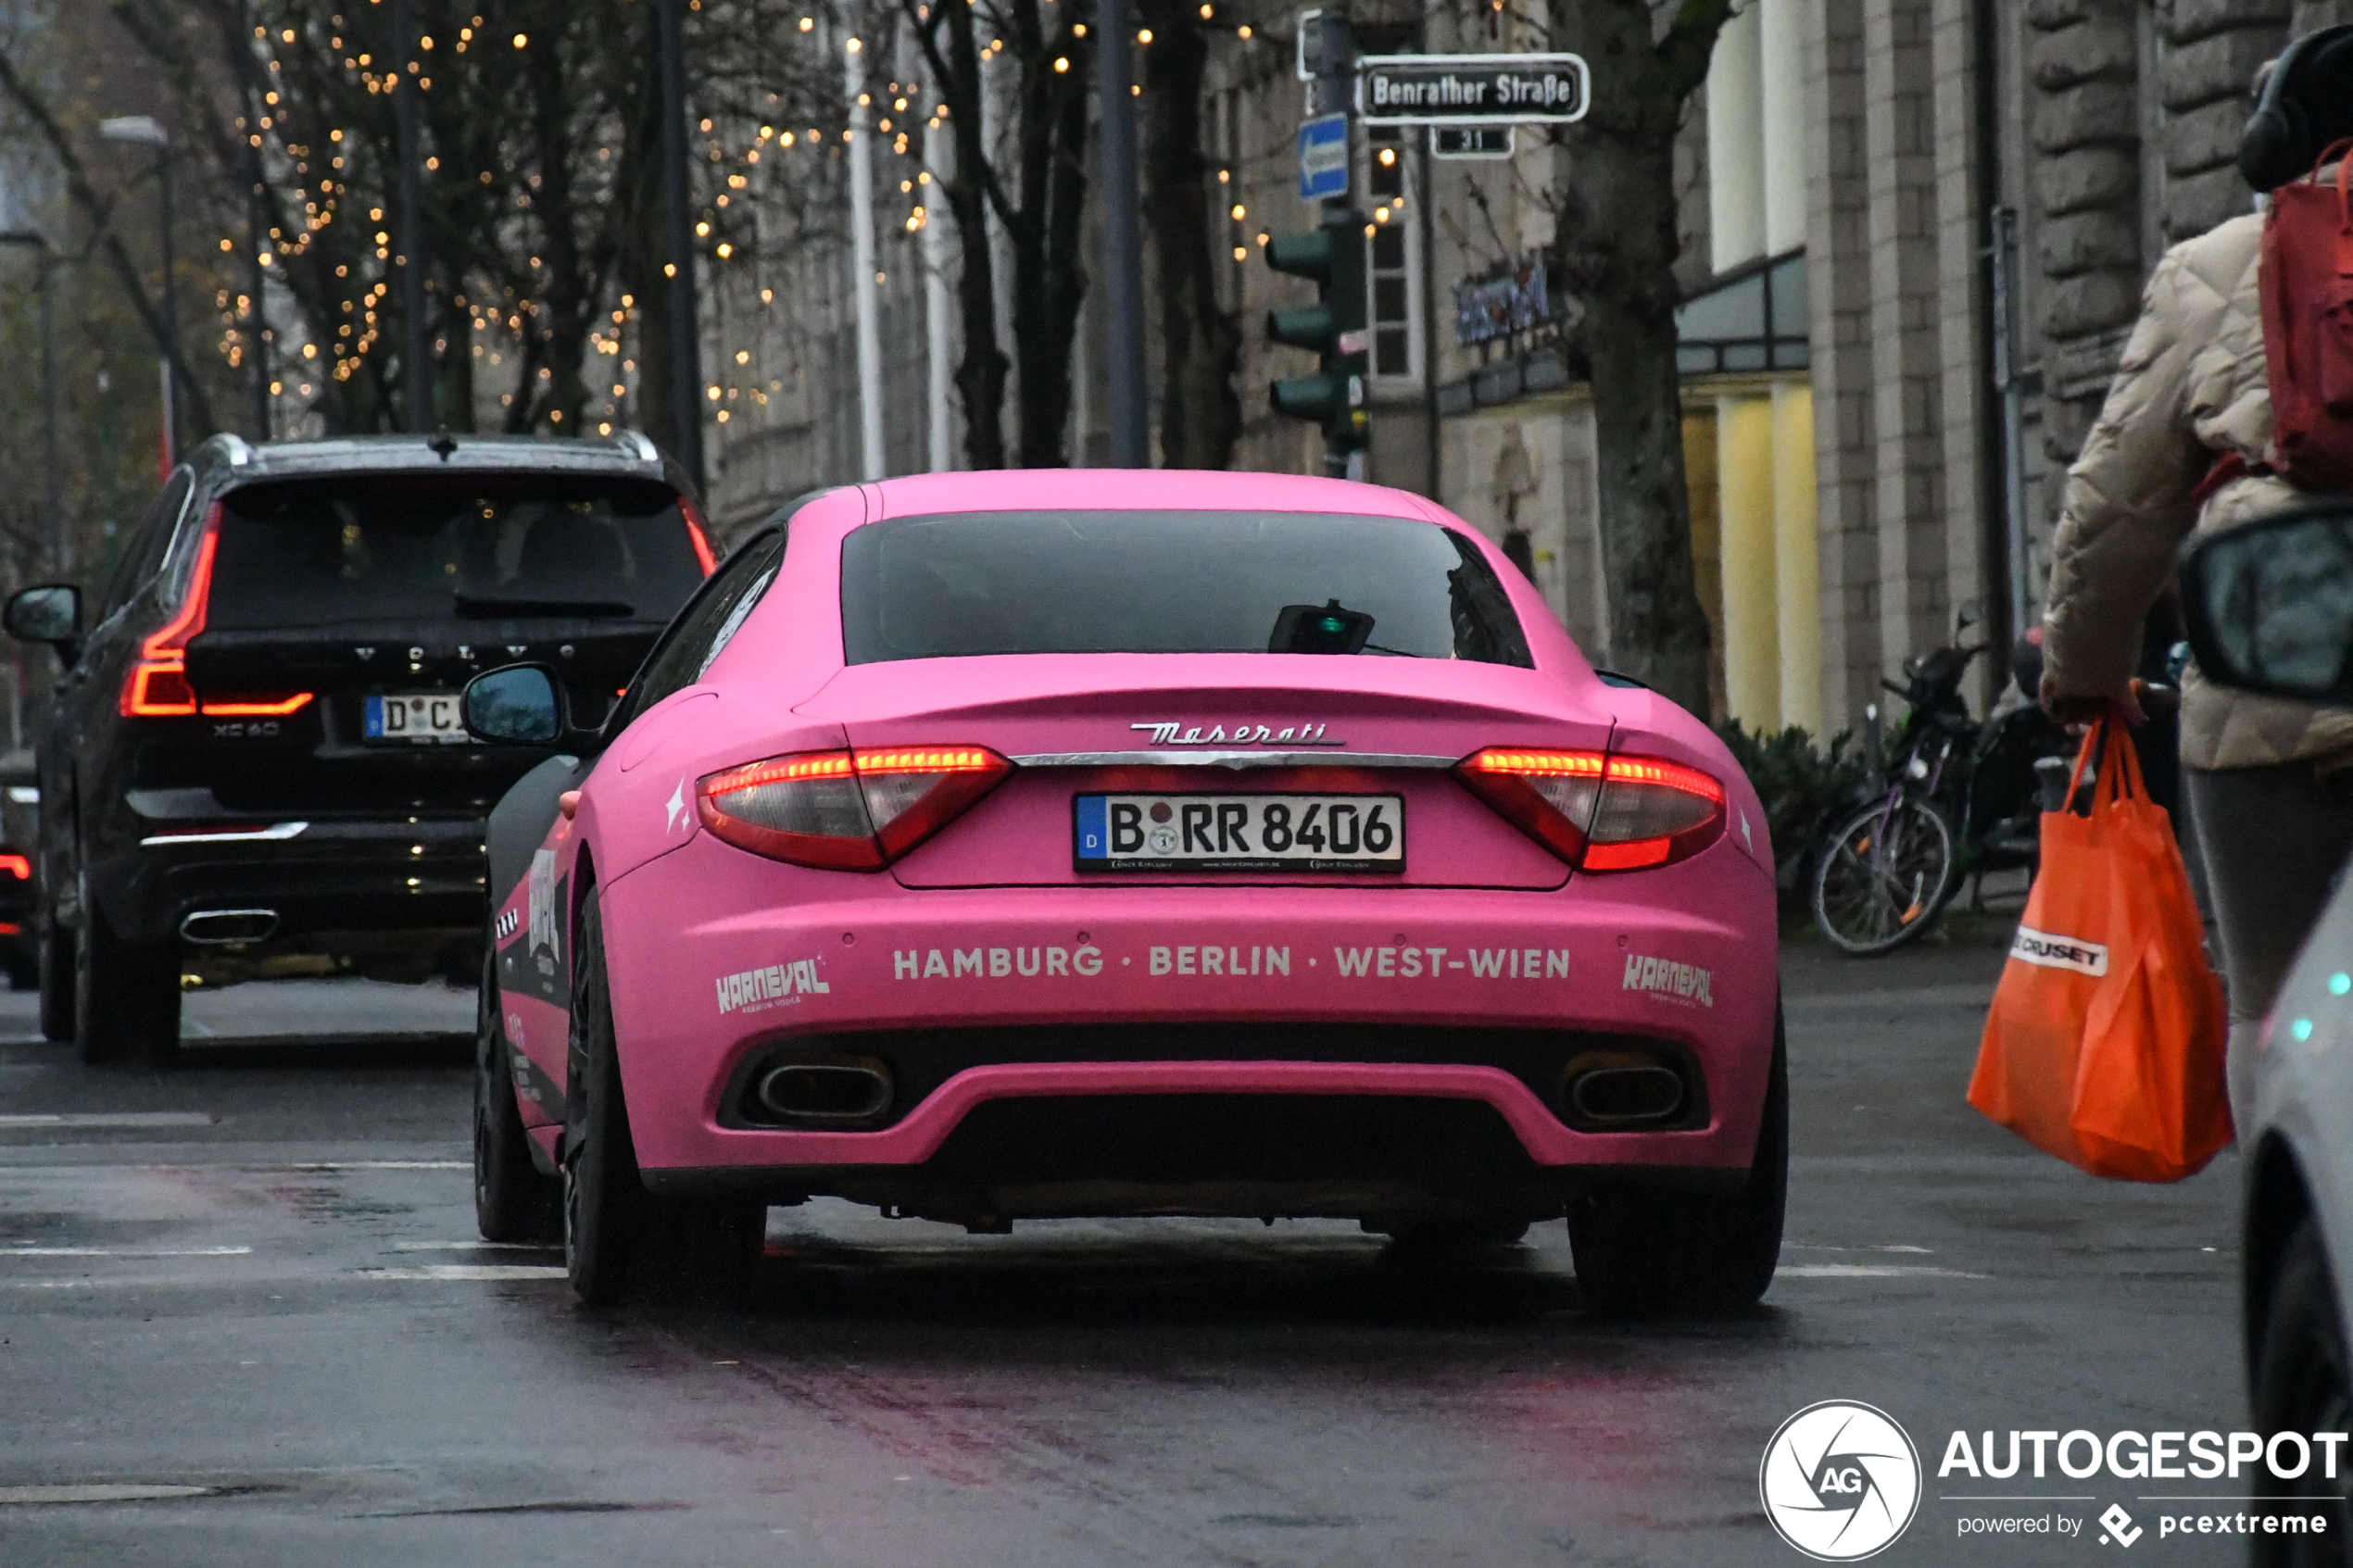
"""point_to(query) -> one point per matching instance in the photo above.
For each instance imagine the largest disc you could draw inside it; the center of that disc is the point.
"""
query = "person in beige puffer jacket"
(2270, 781)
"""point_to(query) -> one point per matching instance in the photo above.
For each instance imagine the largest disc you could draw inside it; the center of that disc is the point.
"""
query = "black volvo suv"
(255, 762)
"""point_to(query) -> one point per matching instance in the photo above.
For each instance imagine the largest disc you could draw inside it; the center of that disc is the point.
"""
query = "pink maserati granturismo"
(994, 846)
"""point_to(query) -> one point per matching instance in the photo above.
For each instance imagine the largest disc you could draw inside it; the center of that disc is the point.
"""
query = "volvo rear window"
(394, 547)
(1189, 581)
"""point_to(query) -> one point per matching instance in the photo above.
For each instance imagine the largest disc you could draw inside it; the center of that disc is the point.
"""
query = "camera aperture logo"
(1841, 1481)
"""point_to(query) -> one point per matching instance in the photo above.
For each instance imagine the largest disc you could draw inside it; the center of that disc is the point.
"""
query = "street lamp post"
(143, 130)
(685, 342)
(416, 383)
(49, 264)
(1123, 244)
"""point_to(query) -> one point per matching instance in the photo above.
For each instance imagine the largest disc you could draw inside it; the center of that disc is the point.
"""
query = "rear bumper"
(715, 963)
(318, 877)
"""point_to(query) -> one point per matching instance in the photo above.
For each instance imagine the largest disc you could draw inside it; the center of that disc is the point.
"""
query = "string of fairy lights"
(734, 191)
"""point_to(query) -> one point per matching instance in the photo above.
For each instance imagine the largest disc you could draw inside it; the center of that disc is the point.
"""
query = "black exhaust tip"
(1623, 1089)
(1615, 1095)
(837, 1093)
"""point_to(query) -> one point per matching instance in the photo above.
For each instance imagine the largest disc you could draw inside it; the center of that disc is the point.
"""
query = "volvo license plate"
(416, 718)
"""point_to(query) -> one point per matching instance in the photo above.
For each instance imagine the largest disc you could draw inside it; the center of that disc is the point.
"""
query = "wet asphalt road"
(256, 1275)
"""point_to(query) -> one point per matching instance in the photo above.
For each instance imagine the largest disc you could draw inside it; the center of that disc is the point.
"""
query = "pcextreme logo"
(1840, 1481)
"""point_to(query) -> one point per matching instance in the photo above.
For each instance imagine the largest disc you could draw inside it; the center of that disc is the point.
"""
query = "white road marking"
(1869, 1271)
(125, 1252)
(469, 1271)
(104, 1491)
(371, 1165)
(112, 1119)
(1818, 1247)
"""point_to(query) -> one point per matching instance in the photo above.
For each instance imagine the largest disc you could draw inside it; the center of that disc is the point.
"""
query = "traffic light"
(1333, 256)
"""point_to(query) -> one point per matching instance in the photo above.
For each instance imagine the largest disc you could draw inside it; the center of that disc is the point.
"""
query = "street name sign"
(1323, 159)
(1472, 89)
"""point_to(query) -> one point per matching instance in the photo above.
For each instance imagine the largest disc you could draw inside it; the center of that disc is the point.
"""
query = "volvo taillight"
(697, 538)
(1600, 813)
(854, 811)
(158, 685)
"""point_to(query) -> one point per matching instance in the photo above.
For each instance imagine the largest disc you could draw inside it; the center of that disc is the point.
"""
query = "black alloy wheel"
(1642, 1251)
(621, 1240)
(513, 1203)
(2303, 1384)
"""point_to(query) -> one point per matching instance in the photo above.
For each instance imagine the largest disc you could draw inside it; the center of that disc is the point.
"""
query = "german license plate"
(1240, 832)
(416, 718)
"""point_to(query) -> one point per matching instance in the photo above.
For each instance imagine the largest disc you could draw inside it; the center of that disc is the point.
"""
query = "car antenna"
(442, 442)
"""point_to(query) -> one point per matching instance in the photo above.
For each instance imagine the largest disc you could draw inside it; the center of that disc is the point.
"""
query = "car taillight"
(696, 536)
(1600, 813)
(853, 810)
(18, 866)
(158, 685)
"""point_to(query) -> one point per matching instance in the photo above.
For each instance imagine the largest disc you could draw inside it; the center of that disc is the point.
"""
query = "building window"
(1393, 260)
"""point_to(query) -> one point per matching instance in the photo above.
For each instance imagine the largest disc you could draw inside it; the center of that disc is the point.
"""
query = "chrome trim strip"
(1233, 760)
(241, 835)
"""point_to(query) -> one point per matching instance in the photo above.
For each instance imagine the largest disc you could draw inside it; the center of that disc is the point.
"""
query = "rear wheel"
(621, 1240)
(1882, 876)
(126, 996)
(2303, 1384)
(1646, 1251)
(512, 1201)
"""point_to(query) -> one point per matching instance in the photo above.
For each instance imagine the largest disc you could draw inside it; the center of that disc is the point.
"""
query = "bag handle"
(2118, 776)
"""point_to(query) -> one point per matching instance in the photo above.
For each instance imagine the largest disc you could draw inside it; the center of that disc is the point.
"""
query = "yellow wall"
(1745, 496)
(1797, 568)
(1750, 454)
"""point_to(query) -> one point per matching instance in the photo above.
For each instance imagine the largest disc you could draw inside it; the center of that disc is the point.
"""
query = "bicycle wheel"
(1883, 875)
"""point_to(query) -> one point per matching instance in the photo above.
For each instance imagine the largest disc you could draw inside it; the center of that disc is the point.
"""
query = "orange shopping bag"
(2105, 1043)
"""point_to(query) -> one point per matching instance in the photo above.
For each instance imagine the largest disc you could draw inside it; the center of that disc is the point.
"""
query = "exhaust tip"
(229, 927)
(825, 1092)
(1621, 1094)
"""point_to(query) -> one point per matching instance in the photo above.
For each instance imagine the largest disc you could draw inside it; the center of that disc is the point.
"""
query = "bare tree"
(1618, 243)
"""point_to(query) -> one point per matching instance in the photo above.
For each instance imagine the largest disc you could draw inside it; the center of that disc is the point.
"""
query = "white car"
(2271, 610)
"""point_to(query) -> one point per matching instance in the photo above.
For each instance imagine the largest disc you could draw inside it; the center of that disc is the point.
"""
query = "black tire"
(621, 1240)
(126, 997)
(1642, 1251)
(56, 982)
(512, 1201)
(1882, 876)
(2303, 1384)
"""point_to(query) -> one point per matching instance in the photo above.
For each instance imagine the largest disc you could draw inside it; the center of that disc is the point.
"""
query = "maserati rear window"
(380, 547)
(1189, 581)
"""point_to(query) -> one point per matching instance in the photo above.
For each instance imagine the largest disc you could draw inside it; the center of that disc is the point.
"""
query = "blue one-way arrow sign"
(1323, 159)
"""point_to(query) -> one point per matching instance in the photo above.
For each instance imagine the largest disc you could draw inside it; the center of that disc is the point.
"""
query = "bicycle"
(1963, 800)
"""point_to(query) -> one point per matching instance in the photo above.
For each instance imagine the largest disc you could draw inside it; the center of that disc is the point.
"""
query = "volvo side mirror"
(2269, 604)
(519, 705)
(48, 614)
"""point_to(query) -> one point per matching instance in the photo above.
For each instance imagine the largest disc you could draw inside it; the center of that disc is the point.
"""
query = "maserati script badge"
(1177, 734)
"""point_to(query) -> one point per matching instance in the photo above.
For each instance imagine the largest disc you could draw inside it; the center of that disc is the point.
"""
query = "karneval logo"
(1841, 1481)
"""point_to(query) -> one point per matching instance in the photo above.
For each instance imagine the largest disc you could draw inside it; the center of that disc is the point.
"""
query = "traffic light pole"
(1332, 255)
